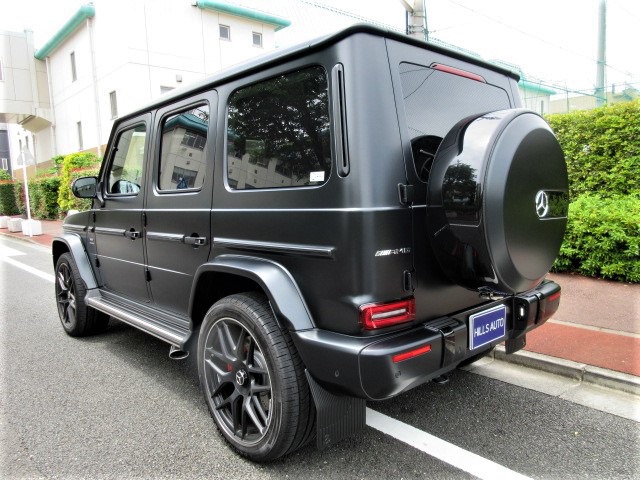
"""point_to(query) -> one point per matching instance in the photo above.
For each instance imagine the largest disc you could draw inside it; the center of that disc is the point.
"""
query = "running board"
(172, 329)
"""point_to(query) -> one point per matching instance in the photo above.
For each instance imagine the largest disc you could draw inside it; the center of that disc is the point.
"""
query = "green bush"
(602, 149)
(43, 195)
(73, 166)
(18, 195)
(7, 198)
(603, 238)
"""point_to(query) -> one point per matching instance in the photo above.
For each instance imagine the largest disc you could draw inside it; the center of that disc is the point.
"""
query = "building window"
(80, 142)
(4, 163)
(225, 32)
(74, 72)
(164, 90)
(113, 100)
(257, 39)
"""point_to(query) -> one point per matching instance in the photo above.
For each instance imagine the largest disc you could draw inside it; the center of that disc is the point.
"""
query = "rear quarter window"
(278, 132)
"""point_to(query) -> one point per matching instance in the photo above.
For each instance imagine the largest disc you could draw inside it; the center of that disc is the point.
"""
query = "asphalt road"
(115, 406)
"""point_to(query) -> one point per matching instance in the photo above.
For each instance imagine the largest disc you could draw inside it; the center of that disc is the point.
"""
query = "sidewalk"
(597, 325)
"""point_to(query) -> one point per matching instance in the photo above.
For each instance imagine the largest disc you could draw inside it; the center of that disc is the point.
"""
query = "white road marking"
(34, 271)
(9, 252)
(440, 449)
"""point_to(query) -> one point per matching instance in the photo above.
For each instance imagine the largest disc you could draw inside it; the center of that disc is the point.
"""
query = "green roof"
(86, 11)
(535, 87)
(238, 11)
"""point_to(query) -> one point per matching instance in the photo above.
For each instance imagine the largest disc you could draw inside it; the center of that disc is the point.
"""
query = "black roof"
(281, 55)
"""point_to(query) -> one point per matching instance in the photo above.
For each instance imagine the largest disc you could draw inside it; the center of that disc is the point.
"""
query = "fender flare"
(72, 243)
(275, 280)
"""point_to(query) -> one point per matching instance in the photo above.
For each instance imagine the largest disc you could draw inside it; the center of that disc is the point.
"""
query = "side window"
(126, 169)
(182, 152)
(278, 132)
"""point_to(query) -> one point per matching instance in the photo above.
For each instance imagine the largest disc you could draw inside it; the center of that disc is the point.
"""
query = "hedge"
(7, 198)
(602, 150)
(602, 238)
(73, 166)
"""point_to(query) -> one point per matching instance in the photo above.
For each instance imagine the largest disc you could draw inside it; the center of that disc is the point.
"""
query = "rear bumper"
(364, 367)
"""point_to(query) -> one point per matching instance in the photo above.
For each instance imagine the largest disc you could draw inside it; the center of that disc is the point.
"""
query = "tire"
(497, 201)
(253, 379)
(77, 319)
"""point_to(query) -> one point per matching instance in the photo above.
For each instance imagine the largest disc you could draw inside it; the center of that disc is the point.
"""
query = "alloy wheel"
(238, 381)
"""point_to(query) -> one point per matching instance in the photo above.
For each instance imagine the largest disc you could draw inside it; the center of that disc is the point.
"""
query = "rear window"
(434, 101)
(278, 132)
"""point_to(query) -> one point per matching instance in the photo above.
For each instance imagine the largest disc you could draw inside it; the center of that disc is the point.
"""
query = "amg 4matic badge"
(486, 327)
(396, 251)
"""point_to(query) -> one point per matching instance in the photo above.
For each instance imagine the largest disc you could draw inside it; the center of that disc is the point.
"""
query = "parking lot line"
(440, 449)
(27, 268)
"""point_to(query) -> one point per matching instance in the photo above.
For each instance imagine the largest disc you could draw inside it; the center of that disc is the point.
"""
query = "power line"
(535, 37)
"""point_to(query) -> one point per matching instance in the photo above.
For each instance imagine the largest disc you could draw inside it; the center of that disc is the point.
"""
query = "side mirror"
(85, 187)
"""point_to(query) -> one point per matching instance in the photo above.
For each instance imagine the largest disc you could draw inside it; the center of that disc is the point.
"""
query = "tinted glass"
(182, 152)
(278, 132)
(126, 170)
(435, 101)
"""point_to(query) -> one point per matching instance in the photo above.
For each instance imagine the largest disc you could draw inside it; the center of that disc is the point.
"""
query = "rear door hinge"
(407, 194)
(147, 274)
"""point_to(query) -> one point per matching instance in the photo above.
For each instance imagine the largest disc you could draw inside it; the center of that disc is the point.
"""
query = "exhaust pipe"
(176, 353)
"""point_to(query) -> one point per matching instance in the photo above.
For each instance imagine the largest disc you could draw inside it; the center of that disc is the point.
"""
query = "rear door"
(179, 194)
(118, 222)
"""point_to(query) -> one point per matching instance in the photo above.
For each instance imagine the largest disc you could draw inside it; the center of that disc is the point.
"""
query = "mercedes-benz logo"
(241, 377)
(542, 204)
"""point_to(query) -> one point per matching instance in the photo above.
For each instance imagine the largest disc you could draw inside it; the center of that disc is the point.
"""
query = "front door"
(119, 218)
(179, 196)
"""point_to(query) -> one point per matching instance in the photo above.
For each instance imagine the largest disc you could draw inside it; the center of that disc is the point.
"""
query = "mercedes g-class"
(333, 223)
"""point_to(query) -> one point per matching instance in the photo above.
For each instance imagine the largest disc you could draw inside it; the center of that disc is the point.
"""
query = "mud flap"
(337, 416)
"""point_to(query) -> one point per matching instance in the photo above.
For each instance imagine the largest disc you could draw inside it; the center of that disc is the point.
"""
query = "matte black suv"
(330, 224)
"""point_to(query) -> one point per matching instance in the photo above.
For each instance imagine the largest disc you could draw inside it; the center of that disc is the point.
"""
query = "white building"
(115, 55)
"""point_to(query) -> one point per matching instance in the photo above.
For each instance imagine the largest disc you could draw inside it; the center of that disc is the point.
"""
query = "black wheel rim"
(66, 293)
(237, 381)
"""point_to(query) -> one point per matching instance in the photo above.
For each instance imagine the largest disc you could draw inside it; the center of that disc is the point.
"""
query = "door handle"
(132, 234)
(195, 241)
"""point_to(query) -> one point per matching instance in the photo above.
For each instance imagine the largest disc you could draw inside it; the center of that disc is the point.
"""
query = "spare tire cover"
(497, 201)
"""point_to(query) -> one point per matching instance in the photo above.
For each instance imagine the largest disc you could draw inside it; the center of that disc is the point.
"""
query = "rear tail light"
(381, 315)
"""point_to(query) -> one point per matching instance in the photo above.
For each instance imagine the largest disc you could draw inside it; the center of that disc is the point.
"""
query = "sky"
(554, 41)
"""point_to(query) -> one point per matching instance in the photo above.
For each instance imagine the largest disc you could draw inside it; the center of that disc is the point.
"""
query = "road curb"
(568, 368)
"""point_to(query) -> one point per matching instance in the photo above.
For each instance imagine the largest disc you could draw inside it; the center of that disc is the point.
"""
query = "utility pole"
(601, 94)
(416, 18)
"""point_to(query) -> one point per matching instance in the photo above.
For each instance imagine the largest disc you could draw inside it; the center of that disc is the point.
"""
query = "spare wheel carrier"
(497, 201)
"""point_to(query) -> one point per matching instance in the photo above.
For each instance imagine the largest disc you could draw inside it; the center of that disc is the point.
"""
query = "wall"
(139, 46)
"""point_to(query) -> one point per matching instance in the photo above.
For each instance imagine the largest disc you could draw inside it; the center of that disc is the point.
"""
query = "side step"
(172, 329)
